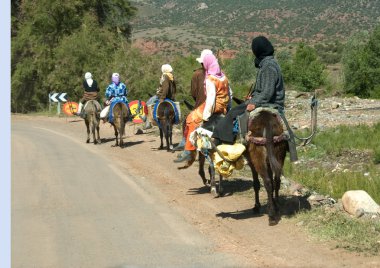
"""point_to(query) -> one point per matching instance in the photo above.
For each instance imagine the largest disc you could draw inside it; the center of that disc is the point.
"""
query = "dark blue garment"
(176, 113)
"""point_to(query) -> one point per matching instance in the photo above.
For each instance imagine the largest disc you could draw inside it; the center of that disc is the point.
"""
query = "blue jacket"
(118, 92)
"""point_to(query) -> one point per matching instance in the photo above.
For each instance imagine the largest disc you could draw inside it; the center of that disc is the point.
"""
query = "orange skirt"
(193, 120)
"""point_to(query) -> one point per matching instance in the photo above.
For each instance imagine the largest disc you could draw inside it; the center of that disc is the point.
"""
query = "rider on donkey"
(116, 92)
(197, 92)
(268, 92)
(91, 92)
(217, 101)
(166, 90)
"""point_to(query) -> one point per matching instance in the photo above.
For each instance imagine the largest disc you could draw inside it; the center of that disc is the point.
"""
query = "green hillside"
(192, 24)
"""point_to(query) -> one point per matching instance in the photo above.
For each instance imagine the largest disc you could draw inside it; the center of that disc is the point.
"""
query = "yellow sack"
(232, 153)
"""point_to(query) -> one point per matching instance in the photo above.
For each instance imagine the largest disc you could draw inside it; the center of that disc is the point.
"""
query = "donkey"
(266, 148)
(166, 120)
(92, 119)
(121, 115)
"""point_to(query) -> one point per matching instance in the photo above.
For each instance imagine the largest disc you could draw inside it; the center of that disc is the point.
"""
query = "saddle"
(287, 134)
(212, 122)
(175, 108)
(112, 105)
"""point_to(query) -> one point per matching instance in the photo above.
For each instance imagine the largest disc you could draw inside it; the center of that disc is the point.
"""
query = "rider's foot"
(180, 146)
(148, 125)
(185, 156)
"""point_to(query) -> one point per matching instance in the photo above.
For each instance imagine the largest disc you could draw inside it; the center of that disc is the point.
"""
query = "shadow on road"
(289, 206)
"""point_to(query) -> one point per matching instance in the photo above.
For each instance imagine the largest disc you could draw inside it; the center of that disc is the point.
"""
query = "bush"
(361, 64)
(306, 71)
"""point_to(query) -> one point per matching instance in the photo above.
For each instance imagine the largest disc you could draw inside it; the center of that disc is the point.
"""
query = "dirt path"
(227, 221)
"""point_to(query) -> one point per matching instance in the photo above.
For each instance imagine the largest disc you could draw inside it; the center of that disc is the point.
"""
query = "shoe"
(147, 126)
(185, 156)
(179, 147)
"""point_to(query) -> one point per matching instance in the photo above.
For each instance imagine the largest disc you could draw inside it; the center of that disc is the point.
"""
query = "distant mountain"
(190, 25)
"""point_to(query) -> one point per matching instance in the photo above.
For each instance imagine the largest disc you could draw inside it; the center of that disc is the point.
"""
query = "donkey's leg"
(93, 128)
(98, 140)
(271, 205)
(167, 138)
(214, 191)
(88, 130)
(274, 190)
(201, 171)
(220, 186)
(170, 135)
(161, 138)
(116, 135)
(256, 184)
(121, 133)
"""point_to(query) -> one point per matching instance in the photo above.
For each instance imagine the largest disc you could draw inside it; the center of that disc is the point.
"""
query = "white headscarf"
(167, 70)
(203, 54)
(88, 77)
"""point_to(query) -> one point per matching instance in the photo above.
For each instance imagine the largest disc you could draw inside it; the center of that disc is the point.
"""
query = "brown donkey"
(92, 118)
(120, 117)
(166, 120)
(266, 152)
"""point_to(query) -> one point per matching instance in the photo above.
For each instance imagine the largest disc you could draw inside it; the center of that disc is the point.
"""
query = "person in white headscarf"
(167, 89)
(91, 91)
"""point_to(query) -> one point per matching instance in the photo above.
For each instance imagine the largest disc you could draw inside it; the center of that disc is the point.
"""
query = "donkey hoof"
(256, 209)
(88, 141)
(272, 221)
(214, 192)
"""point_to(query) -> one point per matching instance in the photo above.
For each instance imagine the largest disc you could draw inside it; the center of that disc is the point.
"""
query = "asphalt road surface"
(72, 207)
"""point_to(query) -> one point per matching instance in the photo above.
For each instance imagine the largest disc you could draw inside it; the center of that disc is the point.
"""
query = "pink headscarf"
(211, 65)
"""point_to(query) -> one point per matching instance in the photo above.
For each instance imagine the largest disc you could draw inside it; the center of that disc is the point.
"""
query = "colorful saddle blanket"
(176, 112)
(110, 114)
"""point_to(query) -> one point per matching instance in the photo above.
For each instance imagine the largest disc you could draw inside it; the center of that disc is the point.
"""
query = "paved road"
(71, 207)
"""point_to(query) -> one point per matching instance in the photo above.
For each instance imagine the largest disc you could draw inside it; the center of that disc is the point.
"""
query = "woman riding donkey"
(91, 92)
(167, 90)
(116, 92)
(217, 100)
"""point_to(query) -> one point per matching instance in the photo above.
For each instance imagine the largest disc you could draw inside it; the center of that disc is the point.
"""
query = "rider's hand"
(250, 107)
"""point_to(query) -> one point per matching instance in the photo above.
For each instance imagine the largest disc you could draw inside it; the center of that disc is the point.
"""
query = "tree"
(361, 64)
(306, 71)
(54, 42)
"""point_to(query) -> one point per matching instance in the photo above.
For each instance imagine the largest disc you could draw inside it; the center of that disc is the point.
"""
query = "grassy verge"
(340, 159)
(357, 235)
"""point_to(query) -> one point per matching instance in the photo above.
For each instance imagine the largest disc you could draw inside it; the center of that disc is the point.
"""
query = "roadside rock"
(358, 203)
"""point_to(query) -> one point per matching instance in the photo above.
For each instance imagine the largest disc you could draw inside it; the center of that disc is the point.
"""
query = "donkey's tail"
(274, 164)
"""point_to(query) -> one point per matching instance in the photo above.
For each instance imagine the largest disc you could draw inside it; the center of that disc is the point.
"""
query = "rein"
(314, 109)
